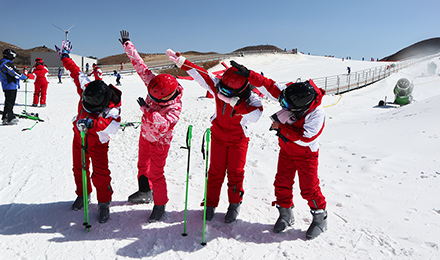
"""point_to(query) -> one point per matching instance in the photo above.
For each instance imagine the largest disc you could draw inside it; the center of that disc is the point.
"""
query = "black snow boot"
(103, 212)
(285, 219)
(157, 213)
(209, 213)
(319, 223)
(232, 213)
(79, 203)
(144, 195)
(140, 197)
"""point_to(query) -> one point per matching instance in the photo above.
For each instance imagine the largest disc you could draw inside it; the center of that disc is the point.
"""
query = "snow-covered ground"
(379, 170)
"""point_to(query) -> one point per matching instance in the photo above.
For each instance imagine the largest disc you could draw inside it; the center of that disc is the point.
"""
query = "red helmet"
(162, 87)
(232, 84)
(38, 60)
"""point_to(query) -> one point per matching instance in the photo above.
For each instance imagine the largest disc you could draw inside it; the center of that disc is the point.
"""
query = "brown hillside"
(420, 49)
(23, 56)
(259, 47)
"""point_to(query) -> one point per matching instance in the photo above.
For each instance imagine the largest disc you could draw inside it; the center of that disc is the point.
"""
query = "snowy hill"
(379, 170)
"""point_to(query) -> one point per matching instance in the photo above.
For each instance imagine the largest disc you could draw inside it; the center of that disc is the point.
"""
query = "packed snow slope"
(379, 170)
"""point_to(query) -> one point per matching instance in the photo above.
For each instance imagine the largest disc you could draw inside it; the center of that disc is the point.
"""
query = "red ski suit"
(96, 140)
(299, 147)
(157, 127)
(97, 73)
(39, 72)
(229, 142)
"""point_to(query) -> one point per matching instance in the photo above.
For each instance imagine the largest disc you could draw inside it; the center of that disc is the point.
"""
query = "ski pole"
(207, 133)
(30, 128)
(25, 97)
(86, 223)
(188, 147)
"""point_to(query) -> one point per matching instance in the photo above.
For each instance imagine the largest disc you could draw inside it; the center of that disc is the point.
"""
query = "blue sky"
(373, 28)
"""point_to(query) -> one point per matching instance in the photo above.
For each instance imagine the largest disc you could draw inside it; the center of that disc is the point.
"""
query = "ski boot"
(103, 212)
(319, 223)
(285, 219)
(140, 197)
(79, 203)
(144, 195)
(209, 213)
(157, 213)
(232, 213)
(10, 122)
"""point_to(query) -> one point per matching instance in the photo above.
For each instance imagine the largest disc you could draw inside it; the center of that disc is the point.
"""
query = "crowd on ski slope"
(298, 125)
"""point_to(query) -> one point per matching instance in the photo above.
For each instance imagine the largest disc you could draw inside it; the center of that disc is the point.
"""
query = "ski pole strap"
(207, 134)
(189, 136)
(203, 144)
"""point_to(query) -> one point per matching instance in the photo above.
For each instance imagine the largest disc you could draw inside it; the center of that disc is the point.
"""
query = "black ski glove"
(141, 102)
(242, 70)
(125, 36)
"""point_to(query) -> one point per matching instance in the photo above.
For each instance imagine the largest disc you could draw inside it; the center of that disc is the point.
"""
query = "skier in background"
(25, 72)
(97, 72)
(10, 79)
(60, 74)
(161, 110)
(118, 77)
(99, 110)
(236, 107)
(298, 126)
(39, 72)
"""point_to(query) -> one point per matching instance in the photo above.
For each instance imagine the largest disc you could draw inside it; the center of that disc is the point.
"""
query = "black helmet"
(96, 96)
(9, 54)
(297, 97)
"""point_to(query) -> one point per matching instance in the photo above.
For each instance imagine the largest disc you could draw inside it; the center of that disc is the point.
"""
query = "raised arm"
(137, 61)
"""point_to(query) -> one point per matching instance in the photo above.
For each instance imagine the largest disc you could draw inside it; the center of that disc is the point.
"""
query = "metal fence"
(346, 82)
(331, 84)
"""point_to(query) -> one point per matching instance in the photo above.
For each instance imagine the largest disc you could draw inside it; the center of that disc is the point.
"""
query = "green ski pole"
(207, 133)
(84, 179)
(25, 97)
(188, 147)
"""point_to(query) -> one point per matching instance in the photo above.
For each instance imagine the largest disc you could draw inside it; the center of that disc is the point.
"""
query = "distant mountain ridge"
(422, 48)
(419, 49)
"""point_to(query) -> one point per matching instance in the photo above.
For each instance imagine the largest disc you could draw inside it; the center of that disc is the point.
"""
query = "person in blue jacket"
(10, 78)
(118, 77)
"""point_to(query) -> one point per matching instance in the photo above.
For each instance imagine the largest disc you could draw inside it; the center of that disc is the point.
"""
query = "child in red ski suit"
(97, 72)
(298, 125)
(39, 72)
(99, 109)
(161, 110)
(236, 107)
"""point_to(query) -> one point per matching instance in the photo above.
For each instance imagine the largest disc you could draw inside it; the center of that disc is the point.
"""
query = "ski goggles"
(286, 106)
(167, 98)
(230, 92)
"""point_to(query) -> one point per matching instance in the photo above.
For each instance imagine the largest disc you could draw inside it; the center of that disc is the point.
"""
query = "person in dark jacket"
(10, 79)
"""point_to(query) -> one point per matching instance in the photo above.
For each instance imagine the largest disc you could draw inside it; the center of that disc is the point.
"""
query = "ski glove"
(141, 102)
(230, 100)
(125, 36)
(85, 123)
(176, 57)
(64, 52)
(242, 70)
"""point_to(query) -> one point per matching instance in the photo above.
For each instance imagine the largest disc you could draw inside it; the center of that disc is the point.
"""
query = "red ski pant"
(151, 163)
(40, 92)
(299, 159)
(98, 155)
(226, 158)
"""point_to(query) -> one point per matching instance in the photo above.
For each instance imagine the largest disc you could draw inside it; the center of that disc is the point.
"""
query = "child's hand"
(174, 56)
(141, 102)
(275, 125)
(125, 36)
